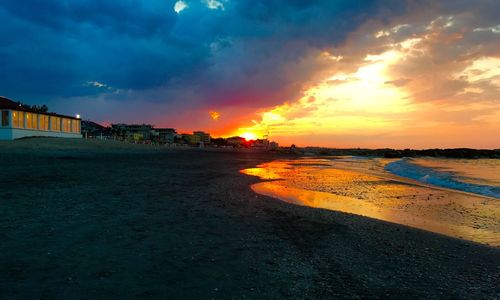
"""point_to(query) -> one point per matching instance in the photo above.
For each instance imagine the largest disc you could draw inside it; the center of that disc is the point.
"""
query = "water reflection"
(370, 191)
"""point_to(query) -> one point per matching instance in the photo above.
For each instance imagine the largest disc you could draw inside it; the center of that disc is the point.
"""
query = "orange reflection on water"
(317, 199)
(385, 197)
(262, 172)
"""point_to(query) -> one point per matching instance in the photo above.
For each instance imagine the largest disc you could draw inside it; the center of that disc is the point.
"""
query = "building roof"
(132, 126)
(6, 103)
(165, 129)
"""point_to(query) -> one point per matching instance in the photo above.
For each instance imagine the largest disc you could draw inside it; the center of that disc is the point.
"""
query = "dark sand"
(90, 219)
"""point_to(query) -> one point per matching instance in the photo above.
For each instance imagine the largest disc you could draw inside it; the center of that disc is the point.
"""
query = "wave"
(405, 168)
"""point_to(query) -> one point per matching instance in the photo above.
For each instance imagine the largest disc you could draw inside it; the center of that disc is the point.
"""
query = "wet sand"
(90, 219)
(364, 188)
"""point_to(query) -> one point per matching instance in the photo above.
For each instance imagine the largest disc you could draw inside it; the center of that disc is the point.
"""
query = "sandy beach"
(101, 219)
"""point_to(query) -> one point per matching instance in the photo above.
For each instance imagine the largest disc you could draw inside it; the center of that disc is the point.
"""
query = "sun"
(248, 136)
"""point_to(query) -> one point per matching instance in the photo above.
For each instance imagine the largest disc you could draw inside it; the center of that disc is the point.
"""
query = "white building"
(17, 121)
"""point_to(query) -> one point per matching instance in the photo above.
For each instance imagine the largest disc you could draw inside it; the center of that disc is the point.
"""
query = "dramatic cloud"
(427, 78)
(322, 68)
(214, 52)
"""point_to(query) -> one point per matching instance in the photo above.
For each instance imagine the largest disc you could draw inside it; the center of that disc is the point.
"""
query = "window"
(34, 121)
(5, 118)
(75, 127)
(66, 125)
(31, 121)
(55, 123)
(44, 122)
(17, 119)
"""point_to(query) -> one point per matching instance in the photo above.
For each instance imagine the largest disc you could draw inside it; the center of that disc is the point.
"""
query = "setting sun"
(248, 136)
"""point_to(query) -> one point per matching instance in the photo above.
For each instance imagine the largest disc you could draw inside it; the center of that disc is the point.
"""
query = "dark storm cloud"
(52, 48)
(264, 52)
(249, 53)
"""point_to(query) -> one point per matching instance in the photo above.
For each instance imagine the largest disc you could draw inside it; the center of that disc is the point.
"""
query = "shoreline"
(369, 190)
(185, 224)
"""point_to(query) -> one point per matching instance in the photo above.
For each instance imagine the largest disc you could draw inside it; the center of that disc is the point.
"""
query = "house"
(186, 138)
(134, 132)
(198, 138)
(260, 144)
(166, 135)
(93, 130)
(236, 141)
(202, 137)
(18, 121)
(264, 144)
(273, 146)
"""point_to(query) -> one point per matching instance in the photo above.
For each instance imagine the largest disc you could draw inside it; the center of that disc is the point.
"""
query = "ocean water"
(478, 176)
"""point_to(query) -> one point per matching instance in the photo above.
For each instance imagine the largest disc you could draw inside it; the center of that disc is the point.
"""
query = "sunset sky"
(403, 74)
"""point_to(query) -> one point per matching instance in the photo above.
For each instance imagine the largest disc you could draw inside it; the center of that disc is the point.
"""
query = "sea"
(478, 176)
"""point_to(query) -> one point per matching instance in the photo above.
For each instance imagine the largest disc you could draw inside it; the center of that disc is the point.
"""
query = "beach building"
(186, 138)
(202, 137)
(18, 121)
(166, 135)
(236, 141)
(93, 130)
(199, 138)
(260, 144)
(133, 132)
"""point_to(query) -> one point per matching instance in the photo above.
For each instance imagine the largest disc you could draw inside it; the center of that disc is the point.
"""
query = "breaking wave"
(405, 168)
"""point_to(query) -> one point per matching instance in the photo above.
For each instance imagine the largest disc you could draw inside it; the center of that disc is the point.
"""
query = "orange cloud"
(214, 115)
(419, 84)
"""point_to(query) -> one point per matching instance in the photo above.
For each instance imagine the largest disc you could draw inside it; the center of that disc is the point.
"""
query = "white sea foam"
(406, 167)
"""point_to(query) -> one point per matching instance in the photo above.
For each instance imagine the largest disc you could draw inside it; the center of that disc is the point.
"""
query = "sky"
(358, 73)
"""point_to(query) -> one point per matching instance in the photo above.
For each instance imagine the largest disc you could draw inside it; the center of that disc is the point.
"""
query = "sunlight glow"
(248, 136)
(483, 68)
(390, 97)
(361, 102)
